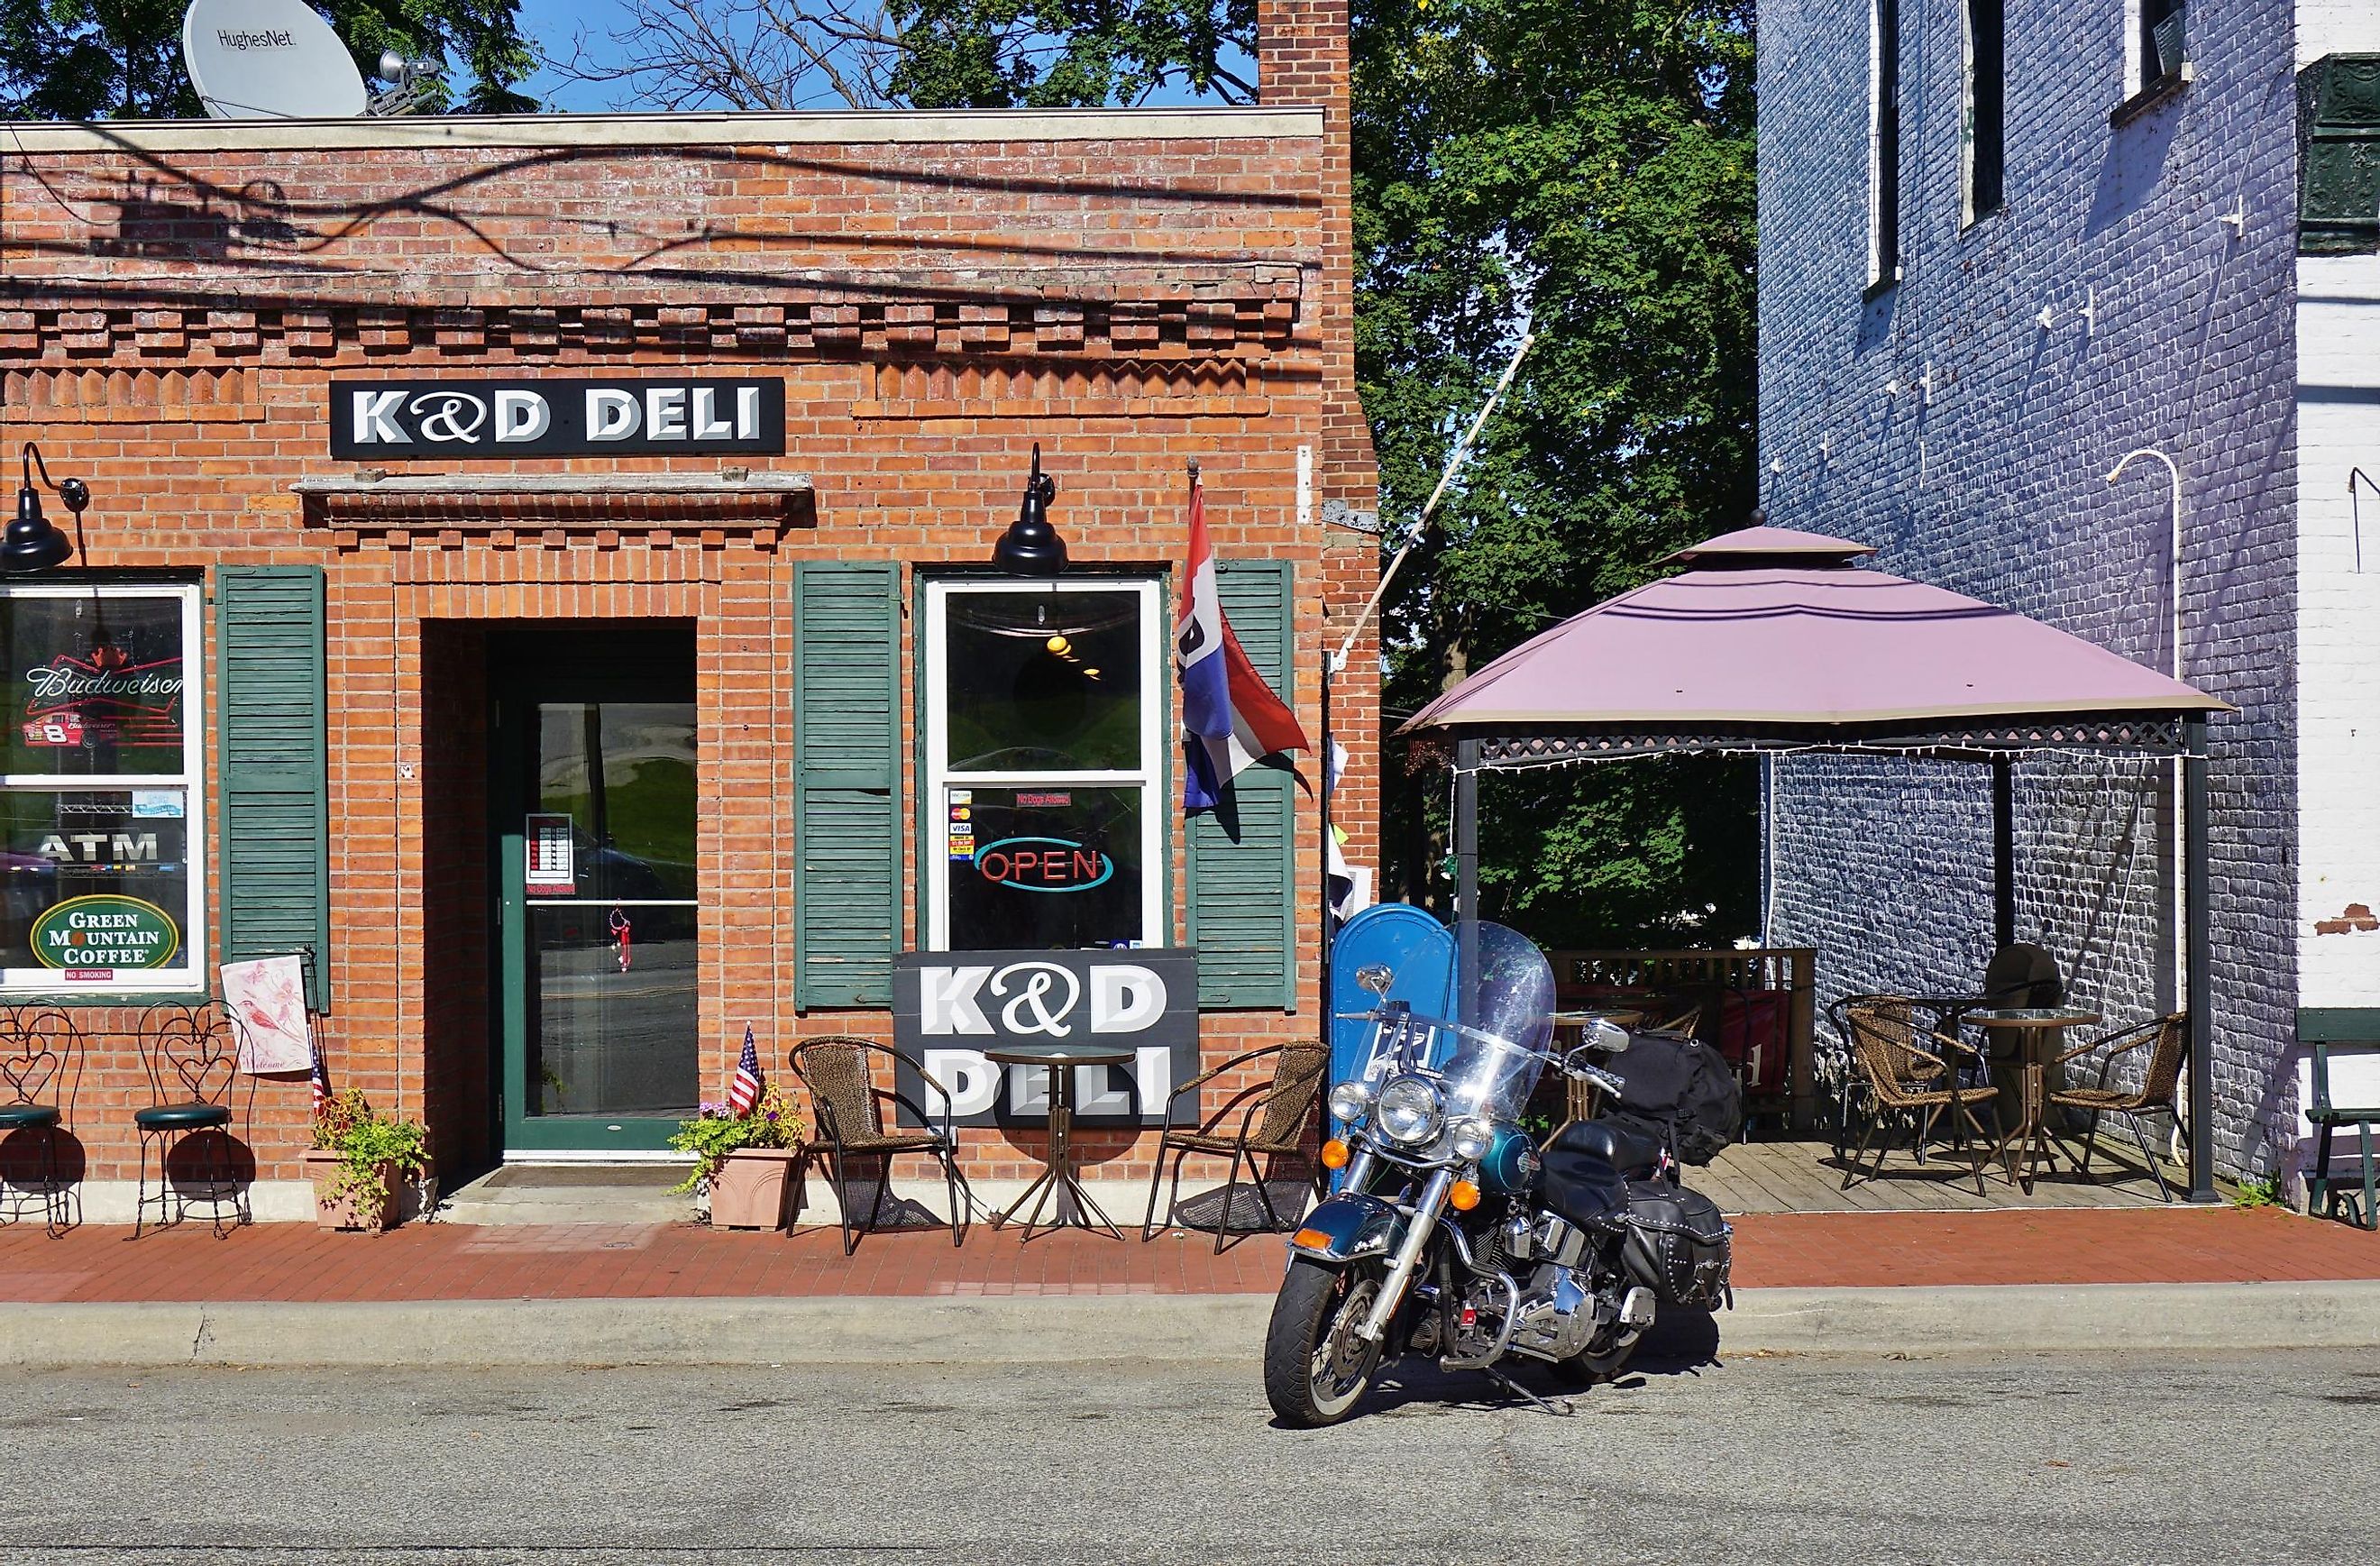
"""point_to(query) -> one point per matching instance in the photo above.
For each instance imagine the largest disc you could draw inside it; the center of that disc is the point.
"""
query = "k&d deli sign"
(422, 420)
(947, 1006)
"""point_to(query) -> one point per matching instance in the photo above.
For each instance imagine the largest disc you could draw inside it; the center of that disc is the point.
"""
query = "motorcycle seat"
(1631, 1152)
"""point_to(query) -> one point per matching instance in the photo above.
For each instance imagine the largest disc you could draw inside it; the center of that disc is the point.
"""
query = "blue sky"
(552, 24)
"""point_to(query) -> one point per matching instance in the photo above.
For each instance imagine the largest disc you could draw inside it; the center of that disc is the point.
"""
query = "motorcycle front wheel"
(1315, 1366)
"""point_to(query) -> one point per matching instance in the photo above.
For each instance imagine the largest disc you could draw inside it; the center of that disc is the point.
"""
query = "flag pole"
(1336, 663)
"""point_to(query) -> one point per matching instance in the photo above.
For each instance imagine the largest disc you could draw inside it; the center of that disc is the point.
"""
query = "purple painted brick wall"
(1993, 482)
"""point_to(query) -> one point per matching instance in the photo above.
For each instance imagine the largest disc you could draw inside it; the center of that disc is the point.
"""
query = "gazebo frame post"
(1466, 828)
(2198, 891)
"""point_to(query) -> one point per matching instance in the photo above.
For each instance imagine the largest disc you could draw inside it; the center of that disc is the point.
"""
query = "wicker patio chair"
(1903, 1078)
(847, 1112)
(2167, 1041)
(1271, 1124)
(1836, 1065)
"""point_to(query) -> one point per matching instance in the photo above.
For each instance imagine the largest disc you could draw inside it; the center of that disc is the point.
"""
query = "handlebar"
(1596, 1075)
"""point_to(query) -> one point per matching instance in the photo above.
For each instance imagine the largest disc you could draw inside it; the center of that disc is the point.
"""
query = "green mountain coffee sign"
(105, 931)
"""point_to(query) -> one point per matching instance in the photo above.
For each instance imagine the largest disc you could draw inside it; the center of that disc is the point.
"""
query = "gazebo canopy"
(1771, 630)
(1777, 639)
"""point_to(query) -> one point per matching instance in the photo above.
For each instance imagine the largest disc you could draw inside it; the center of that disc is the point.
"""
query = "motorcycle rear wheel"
(1314, 1366)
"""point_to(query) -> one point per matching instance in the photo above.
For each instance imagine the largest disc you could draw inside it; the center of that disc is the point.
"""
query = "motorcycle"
(1451, 1233)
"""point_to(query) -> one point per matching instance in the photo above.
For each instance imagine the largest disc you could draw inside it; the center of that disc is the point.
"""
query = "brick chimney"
(1302, 59)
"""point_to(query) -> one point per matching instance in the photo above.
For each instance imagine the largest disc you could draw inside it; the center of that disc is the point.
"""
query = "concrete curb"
(2057, 1318)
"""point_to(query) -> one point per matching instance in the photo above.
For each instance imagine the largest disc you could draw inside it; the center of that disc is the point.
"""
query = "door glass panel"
(1049, 867)
(624, 774)
(603, 1041)
(614, 948)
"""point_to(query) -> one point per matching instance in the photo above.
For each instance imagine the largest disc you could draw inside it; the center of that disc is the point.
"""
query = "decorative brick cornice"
(1248, 312)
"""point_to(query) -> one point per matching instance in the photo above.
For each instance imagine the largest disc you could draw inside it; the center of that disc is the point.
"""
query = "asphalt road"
(2136, 1458)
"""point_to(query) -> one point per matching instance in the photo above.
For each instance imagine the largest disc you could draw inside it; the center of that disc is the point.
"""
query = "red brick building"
(741, 677)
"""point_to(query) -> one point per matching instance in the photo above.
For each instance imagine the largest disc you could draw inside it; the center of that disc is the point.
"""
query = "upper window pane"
(1044, 681)
(97, 684)
(624, 774)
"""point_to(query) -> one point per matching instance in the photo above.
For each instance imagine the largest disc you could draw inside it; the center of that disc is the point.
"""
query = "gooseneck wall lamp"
(31, 543)
(1031, 547)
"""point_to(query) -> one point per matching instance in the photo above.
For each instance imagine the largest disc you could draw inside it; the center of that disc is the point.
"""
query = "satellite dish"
(269, 59)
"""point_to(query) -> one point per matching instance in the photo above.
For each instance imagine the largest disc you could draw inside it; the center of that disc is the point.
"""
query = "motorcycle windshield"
(1503, 995)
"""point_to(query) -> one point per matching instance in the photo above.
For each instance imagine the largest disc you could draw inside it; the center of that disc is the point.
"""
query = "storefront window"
(100, 870)
(1042, 739)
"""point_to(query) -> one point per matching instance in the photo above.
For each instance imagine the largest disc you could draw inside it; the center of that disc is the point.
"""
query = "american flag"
(322, 1081)
(744, 1093)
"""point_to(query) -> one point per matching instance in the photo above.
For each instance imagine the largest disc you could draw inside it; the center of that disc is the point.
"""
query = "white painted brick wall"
(1997, 488)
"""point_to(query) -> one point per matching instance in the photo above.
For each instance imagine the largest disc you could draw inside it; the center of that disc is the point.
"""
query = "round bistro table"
(2038, 1028)
(1075, 1209)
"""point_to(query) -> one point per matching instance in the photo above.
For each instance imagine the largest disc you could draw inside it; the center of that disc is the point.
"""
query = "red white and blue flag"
(1230, 717)
(744, 1093)
(322, 1080)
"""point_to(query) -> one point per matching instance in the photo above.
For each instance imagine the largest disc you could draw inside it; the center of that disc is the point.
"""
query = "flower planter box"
(371, 1210)
(750, 1188)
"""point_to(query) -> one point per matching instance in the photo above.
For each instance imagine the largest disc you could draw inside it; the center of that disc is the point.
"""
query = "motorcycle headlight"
(1348, 1100)
(1471, 1138)
(1408, 1110)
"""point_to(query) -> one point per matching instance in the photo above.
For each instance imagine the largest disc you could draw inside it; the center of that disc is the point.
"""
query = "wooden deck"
(1808, 1177)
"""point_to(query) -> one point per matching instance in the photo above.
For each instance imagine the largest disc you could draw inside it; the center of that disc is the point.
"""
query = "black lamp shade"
(32, 543)
(1031, 547)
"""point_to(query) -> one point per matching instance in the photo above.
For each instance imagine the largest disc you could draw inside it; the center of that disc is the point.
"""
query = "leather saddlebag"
(1677, 1245)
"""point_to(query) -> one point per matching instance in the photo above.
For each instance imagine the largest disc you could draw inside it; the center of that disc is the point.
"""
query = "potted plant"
(360, 1160)
(746, 1160)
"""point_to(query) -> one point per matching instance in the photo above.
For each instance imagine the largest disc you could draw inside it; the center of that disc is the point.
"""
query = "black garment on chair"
(2023, 975)
(2020, 976)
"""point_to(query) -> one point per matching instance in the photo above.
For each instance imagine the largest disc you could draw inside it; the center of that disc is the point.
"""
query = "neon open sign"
(1043, 864)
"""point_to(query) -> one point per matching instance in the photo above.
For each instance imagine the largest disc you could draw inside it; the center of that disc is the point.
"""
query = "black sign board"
(492, 420)
(947, 1006)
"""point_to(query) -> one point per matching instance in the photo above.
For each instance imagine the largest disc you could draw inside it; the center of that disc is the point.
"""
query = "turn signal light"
(1334, 1154)
(1463, 1196)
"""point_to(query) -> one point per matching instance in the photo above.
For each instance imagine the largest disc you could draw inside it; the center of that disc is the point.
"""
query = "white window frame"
(1149, 776)
(189, 974)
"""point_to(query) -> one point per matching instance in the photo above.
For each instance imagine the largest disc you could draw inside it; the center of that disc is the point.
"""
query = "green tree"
(122, 59)
(1585, 165)
(1053, 54)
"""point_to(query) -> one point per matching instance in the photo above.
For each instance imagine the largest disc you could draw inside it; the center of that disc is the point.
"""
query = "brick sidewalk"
(298, 1262)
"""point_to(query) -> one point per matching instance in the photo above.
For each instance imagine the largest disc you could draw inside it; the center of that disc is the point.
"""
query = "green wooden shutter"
(272, 760)
(846, 781)
(1244, 888)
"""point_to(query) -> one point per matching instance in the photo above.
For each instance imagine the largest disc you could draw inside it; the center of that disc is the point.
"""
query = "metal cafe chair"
(1283, 1102)
(191, 1056)
(2167, 1040)
(847, 1115)
(41, 1070)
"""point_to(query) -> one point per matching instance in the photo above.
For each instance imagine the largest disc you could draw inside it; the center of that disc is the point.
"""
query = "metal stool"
(41, 1066)
(191, 1058)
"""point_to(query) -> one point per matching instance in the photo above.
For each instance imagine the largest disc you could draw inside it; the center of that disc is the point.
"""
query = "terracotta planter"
(372, 1209)
(748, 1191)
